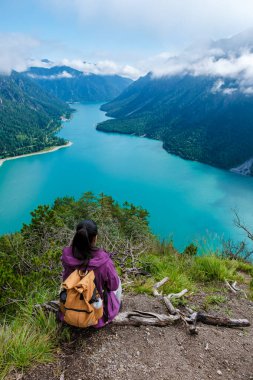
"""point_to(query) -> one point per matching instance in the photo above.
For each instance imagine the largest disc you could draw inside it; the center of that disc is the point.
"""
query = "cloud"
(233, 66)
(248, 91)
(64, 74)
(214, 62)
(14, 49)
(170, 20)
(217, 86)
(229, 91)
(104, 67)
(43, 63)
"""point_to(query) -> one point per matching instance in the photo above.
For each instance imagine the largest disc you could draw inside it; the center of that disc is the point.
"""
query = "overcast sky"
(122, 32)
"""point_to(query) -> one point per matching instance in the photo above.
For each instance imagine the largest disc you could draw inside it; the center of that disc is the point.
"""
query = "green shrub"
(191, 250)
(30, 259)
(171, 265)
(210, 268)
(26, 341)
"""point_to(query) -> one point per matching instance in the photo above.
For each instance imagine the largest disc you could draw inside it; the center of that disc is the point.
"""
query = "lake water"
(186, 200)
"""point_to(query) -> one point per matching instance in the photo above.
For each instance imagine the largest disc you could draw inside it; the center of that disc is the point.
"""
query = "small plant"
(179, 302)
(215, 299)
(191, 250)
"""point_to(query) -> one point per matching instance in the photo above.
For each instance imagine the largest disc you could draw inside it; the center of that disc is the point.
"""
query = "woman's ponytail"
(86, 231)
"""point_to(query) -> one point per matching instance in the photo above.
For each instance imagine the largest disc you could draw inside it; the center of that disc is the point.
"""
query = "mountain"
(29, 116)
(243, 40)
(73, 85)
(207, 118)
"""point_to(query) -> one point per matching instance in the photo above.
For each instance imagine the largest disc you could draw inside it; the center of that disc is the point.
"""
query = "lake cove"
(186, 200)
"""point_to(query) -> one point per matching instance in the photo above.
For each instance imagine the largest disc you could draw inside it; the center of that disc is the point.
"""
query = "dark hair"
(82, 241)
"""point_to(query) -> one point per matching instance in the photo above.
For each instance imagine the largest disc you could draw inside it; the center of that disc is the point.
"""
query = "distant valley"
(199, 106)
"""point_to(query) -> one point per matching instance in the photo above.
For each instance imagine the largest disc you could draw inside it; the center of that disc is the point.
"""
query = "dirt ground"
(167, 353)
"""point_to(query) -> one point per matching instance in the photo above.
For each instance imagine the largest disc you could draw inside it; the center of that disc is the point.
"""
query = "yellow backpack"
(80, 302)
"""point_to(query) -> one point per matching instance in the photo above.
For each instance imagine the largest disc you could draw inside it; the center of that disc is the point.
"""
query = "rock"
(219, 372)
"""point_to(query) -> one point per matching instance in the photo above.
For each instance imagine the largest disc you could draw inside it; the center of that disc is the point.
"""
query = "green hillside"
(191, 119)
(29, 116)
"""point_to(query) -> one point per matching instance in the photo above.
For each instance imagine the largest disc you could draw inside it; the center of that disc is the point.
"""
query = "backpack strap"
(105, 299)
(94, 295)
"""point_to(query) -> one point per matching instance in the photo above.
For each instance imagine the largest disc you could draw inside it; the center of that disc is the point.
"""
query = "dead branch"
(169, 306)
(192, 321)
(172, 310)
(158, 285)
(234, 288)
(178, 295)
(138, 318)
(221, 321)
(166, 299)
(230, 287)
(239, 224)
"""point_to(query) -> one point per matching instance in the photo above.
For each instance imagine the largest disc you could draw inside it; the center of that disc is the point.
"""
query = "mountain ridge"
(73, 85)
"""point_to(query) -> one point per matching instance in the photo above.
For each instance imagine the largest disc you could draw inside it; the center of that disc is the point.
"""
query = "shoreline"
(50, 150)
(243, 169)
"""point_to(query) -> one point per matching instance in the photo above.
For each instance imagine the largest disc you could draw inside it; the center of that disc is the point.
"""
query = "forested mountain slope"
(73, 85)
(198, 102)
(191, 117)
(28, 116)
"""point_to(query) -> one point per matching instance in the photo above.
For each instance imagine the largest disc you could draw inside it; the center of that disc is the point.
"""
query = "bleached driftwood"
(189, 323)
(230, 287)
(191, 319)
(138, 318)
(222, 321)
(167, 299)
(178, 295)
(168, 303)
(192, 323)
(170, 307)
(158, 285)
(234, 288)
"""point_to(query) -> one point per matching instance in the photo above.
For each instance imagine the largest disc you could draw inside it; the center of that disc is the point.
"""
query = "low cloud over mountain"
(230, 59)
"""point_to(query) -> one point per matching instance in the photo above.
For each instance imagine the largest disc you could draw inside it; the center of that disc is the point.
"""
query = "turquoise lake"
(186, 200)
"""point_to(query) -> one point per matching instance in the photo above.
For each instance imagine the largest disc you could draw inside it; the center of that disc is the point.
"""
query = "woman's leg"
(118, 292)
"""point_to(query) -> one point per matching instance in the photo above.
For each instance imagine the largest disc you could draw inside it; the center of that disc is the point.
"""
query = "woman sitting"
(84, 255)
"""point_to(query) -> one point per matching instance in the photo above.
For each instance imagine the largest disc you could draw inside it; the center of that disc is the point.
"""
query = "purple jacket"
(105, 274)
